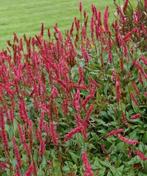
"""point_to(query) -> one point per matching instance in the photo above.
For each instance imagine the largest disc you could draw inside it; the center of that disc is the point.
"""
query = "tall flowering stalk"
(118, 88)
(48, 86)
(127, 141)
(115, 132)
(106, 16)
(141, 155)
(17, 154)
(88, 170)
(125, 5)
(53, 134)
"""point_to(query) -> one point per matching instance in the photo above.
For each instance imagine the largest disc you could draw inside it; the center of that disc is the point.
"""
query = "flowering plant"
(74, 104)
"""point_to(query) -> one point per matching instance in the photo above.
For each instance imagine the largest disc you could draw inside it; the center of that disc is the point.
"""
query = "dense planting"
(76, 104)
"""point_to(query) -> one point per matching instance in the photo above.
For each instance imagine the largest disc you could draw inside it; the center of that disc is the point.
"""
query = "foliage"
(134, 19)
(74, 104)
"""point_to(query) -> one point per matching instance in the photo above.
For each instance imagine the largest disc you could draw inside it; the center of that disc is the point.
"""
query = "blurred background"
(25, 16)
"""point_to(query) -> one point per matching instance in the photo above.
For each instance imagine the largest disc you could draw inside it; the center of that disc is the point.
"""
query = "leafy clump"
(74, 104)
(133, 22)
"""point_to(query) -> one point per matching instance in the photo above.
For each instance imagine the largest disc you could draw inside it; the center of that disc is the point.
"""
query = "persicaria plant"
(76, 104)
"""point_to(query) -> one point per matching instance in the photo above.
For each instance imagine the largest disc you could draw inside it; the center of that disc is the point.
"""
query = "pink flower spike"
(135, 88)
(133, 98)
(127, 141)
(117, 87)
(141, 155)
(80, 7)
(125, 5)
(144, 59)
(76, 101)
(89, 113)
(136, 116)
(115, 132)
(145, 4)
(17, 154)
(29, 172)
(72, 132)
(3, 165)
(87, 166)
(53, 133)
(106, 15)
(42, 29)
(145, 94)
(54, 92)
(85, 54)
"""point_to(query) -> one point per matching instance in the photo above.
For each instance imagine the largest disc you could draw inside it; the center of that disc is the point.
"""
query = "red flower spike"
(140, 155)
(42, 148)
(140, 77)
(136, 116)
(11, 112)
(85, 101)
(140, 68)
(145, 4)
(117, 87)
(72, 29)
(121, 14)
(23, 140)
(84, 33)
(53, 133)
(135, 88)
(76, 101)
(77, 24)
(30, 170)
(80, 7)
(85, 54)
(49, 33)
(3, 133)
(125, 5)
(115, 132)
(124, 119)
(128, 36)
(134, 100)
(17, 171)
(92, 8)
(144, 59)
(88, 113)
(92, 27)
(88, 170)
(17, 154)
(41, 120)
(54, 93)
(81, 75)
(106, 15)
(22, 111)
(99, 18)
(110, 56)
(69, 135)
(145, 94)
(5, 140)
(121, 64)
(3, 165)
(65, 106)
(15, 37)
(42, 143)
(127, 141)
(42, 30)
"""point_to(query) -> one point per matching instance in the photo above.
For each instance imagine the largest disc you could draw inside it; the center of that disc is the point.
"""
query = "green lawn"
(25, 16)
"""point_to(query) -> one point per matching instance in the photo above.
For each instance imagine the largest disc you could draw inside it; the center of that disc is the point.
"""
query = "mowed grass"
(25, 16)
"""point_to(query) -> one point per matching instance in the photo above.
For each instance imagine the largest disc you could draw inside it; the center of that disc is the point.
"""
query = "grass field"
(25, 16)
